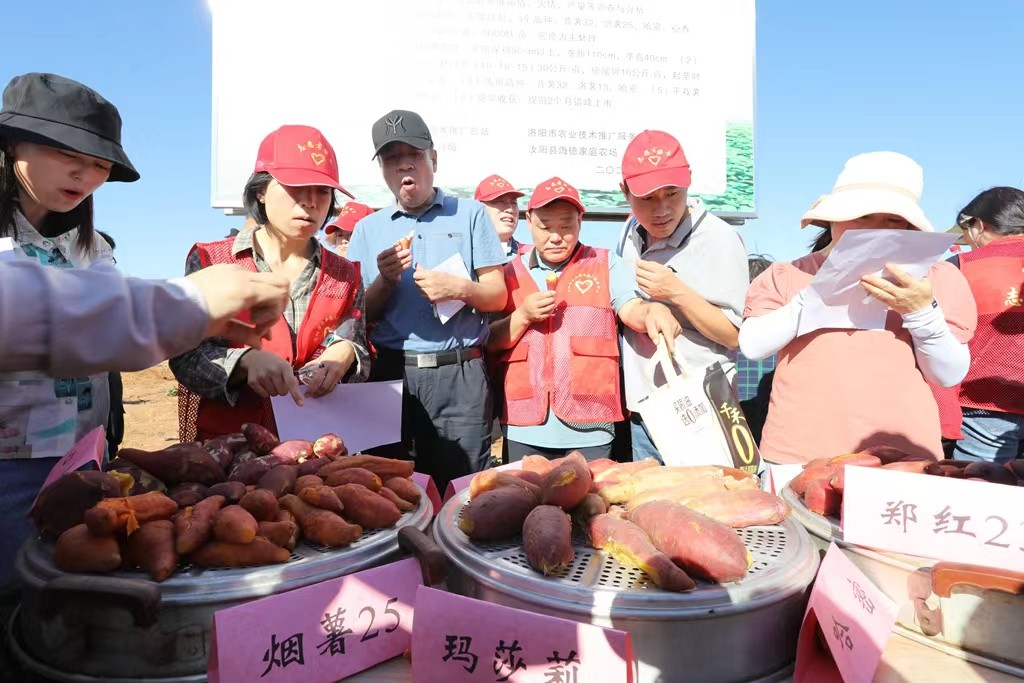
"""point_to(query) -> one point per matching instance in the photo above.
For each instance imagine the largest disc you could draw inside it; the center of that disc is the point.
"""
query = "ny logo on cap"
(393, 123)
(654, 155)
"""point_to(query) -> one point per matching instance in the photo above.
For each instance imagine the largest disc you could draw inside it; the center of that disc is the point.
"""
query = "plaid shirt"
(749, 373)
(206, 369)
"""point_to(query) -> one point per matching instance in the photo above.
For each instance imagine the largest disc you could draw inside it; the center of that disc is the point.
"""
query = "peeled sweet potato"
(567, 484)
(177, 464)
(330, 446)
(800, 482)
(385, 468)
(294, 451)
(321, 526)
(625, 470)
(280, 480)
(400, 503)
(353, 475)
(261, 504)
(547, 539)
(188, 494)
(261, 440)
(632, 547)
(743, 508)
(913, 466)
(365, 508)
(80, 550)
(193, 526)
(322, 497)
(822, 499)
(258, 552)
(151, 548)
(231, 490)
(498, 513)
(494, 479)
(62, 504)
(405, 488)
(305, 482)
(654, 478)
(234, 524)
(283, 533)
(598, 466)
(700, 545)
(113, 515)
(684, 492)
(311, 466)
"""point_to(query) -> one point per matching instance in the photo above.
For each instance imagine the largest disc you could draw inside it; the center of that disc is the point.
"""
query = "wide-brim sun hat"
(875, 182)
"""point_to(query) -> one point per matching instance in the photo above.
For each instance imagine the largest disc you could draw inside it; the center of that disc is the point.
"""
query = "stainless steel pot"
(745, 631)
(976, 613)
(124, 627)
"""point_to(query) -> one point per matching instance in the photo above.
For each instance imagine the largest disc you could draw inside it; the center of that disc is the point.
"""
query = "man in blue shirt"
(446, 422)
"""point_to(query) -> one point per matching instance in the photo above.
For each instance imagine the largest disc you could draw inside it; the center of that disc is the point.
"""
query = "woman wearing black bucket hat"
(59, 141)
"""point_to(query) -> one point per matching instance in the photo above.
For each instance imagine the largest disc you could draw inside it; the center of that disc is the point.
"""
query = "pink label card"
(945, 519)
(426, 482)
(855, 618)
(90, 448)
(456, 486)
(458, 639)
(319, 633)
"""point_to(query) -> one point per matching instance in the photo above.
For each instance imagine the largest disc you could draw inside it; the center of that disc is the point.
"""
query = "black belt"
(438, 358)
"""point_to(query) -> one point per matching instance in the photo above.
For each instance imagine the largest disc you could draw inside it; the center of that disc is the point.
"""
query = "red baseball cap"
(298, 156)
(653, 160)
(494, 186)
(554, 189)
(350, 214)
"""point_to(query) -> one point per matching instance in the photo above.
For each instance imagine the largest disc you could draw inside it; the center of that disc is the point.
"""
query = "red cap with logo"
(350, 214)
(299, 156)
(552, 190)
(653, 160)
(494, 186)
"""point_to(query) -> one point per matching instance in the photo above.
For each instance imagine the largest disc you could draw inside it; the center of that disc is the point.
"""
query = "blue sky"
(937, 80)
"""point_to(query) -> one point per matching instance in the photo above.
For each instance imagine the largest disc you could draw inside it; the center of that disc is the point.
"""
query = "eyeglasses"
(964, 221)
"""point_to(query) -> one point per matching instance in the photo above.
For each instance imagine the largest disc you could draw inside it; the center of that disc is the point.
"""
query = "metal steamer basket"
(125, 628)
(746, 631)
(973, 613)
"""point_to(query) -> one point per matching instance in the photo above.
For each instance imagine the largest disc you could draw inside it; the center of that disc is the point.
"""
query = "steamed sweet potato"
(352, 475)
(261, 504)
(188, 494)
(913, 466)
(151, 548)
(822, 499)
(294, 451)
(991, 472)
(62, 504)
(322, 497)
(598, 466)
(400, 503)
(385, 468)
(283, 533)
(80, 550)
(234, 524)
(365, 508)
(498, 513)
(625, 470)
(311, 466)
(258, 552)
(330, 446)
(321, 526)
(305, 482)
(143, 481)
(529, 477)
(231, 490)
(858, 459)
(177, 464)
(405, 488)
(800, 482)
(261, 440)
(743, 508)
(537, 464)
(632, 547)
(700, 545)
(567, 484)
(193, 526)
(654, 478)
(683, 492)
(113, 515)
(591, 506)
(547, 539)
(489, 480)
(280, 480)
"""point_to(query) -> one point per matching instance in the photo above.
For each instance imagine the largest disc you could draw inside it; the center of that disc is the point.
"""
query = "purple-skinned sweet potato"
(312, 466)
(62, 504)
(231, 490)
(547, 539)
(178, 464)
(261, 440)
(280, 481)
(188, 494)
(142, 481)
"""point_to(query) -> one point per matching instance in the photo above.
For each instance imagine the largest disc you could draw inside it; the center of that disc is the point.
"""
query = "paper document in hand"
(364, 415)
(835, 298)
(453, 265)
(7, 252)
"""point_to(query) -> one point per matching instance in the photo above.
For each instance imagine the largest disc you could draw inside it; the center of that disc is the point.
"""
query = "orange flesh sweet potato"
(858, 459)
(193, 526)
(405, 488)
(626, 469)
(385, 468)
(259, 552)
(177, 464)
(650, 479)
(743, 508)
(600, 465)
(800, 482)
(79, 550)
(321, 526)
(322, 497)
(681, 493)
(354, 475)
(496, 514)
(281, 533)
(366, 508)
(151, 548)
(234, 524)
(700, 545)
(822, 499)
(567, 484)
(261, 504)
(400, 503)
(489, 480)
(112, 515)
(632, 547)
(547, 539)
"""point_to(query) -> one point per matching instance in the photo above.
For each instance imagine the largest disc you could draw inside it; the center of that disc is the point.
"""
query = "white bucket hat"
(876, 182)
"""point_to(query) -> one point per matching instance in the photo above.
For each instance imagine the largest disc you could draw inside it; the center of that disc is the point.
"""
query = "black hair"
(256, 210)
(55, 223)
(1001, 208)
(823, 239)
(758, 263)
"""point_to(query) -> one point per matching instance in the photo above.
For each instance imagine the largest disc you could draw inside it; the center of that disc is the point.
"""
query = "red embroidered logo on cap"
(557, 187)
(654, 156)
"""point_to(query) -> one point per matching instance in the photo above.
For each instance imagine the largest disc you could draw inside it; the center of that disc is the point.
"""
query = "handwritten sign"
(855, 618)
(936, 517)
(426, 482)
(458, 639)
(323, 632)
(90, 448)
(462, 483)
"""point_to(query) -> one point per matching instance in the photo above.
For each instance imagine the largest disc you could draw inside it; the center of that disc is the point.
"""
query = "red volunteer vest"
(569, 363)
(333, 296)
(995, 380)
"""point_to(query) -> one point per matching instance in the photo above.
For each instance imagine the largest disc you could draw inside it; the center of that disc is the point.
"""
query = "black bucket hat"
(57, 111)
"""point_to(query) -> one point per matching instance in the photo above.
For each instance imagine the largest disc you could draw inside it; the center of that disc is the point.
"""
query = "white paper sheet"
(364, 415)
(453, 265)
(835, 298)
(7, 252)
